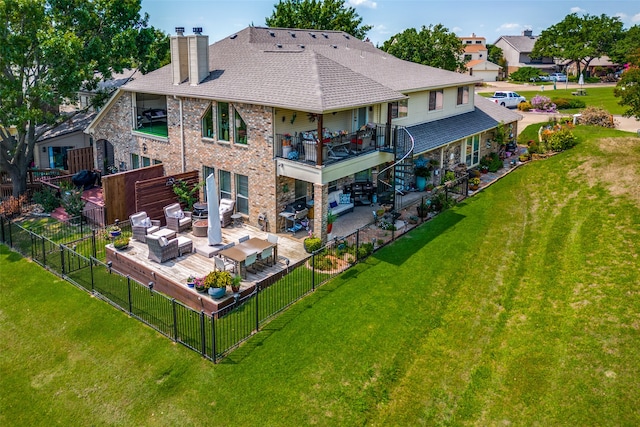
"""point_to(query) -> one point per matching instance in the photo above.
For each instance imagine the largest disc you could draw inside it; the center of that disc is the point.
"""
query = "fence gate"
(80, 159)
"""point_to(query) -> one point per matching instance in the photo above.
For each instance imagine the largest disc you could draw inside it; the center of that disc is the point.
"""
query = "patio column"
(319, 159)
(320, 210)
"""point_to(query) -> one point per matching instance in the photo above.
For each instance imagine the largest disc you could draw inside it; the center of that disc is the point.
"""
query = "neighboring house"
(286, 115)
(517, 52)
(52, 146)
(597, 67)
(475, 57)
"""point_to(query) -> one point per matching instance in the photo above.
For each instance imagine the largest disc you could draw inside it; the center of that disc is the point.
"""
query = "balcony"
(336, 146)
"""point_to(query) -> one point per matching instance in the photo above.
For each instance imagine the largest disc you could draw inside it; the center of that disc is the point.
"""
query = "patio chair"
(177, 220)
(161, 249)
(222, 265)
(249, 262)
(272, 238)
(141, 225)
(265, 256)
(226, 210)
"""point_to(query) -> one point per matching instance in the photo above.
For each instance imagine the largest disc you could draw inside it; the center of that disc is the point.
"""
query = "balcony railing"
(303, 146)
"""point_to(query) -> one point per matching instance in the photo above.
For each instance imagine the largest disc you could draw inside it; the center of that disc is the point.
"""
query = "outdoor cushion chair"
(272, 238)
(161, 249)
(226, 210)
(141, 225)
(265, 256)
(177, 219)
(222, 265)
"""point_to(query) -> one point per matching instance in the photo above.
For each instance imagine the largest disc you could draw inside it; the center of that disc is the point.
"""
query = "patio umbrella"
(581, 80)
(214, 231)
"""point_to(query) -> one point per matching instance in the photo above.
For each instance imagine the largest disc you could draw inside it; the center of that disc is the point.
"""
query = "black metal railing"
(72, 252)
(302, 147)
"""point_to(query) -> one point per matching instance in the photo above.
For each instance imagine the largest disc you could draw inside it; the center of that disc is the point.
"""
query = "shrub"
(565, 104)
(492, 162)
(448, 176)
(524, 74)
(525, 106)
(597, 116)
(365, 250)
(312, 244)
(543, 103)
(47, 199)
(72, 202)
(562, 139)
(441, 202)
(12, 206)
(324, 262)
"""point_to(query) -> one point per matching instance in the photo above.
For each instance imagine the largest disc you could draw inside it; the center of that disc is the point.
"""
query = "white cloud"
(456, 30)
(364, 3)
(636, 18)
(508, 27)
(621, 15)
(577, 10)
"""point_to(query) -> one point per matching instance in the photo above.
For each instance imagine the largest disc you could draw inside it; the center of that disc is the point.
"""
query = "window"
(58, 157)
(242, 194)
(223, 121)
(151, 114)
(472, 150)
(206, 171)
(467, 57)
(135, 161)
(241, 130)
(463, 95)
(400, 109)
(207, 124)
(224, 179)
(146, 162)
(478, 41)
(435, 99)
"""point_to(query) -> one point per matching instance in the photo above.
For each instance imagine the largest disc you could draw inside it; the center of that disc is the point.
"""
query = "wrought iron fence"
(73, 252)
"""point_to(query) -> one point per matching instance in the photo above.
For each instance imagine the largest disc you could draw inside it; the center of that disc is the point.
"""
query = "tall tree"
(627, 50)
(495, 54)
(433, 45)
(50, 49)
(318, 15)
(579, 39)
(628, 90)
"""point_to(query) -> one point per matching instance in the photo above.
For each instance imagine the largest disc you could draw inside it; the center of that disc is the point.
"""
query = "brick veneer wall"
(255, 160)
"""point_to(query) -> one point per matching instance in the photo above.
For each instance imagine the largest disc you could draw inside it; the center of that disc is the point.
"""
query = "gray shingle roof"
(522, 44)
(486, 115)
(79, 122)
(307, 70)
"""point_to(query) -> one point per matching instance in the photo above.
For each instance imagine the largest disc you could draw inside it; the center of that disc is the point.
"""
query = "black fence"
(74, 252)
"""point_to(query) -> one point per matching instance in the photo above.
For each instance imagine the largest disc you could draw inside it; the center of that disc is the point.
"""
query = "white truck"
(507, 98)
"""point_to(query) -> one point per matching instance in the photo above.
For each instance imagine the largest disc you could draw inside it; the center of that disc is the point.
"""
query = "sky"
(489, 19)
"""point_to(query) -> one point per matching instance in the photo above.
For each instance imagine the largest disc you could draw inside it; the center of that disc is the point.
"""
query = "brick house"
(286, 115)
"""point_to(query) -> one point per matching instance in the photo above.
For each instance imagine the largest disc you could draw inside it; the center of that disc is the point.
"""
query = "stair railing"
(387, 185)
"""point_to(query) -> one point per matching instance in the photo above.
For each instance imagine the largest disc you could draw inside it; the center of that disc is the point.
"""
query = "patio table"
(238, 253)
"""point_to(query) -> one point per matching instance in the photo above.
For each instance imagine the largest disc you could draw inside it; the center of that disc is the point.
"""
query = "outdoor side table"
(237, 220)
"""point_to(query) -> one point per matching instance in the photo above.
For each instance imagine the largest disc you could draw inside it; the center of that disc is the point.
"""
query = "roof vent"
(301, 46)
(313, 35)
(292, 34)
(346, 36)
(325, 35)
(197, 30)
(335, 46)
(272, 34)
(279, 45)
(180, 31)
(233, 36)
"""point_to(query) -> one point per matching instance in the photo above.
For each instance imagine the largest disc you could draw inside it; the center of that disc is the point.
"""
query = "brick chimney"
(189, 57)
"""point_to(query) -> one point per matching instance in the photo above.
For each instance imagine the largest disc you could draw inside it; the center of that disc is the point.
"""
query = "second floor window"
(241, 130)
(223, 121)
(463, 95)
(207, 124)
(436, 98)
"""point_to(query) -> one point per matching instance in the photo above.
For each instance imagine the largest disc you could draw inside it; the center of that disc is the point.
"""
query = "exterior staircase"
(392, 180)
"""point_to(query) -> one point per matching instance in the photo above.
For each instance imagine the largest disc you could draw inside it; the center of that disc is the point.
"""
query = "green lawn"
(519, 306)
(596, 96)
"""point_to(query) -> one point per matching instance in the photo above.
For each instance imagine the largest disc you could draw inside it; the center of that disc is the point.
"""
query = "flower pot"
(235, 289)
(201, 289)
(190, 284)
(114, 233)
(329, 228)
(217, 292)
(473, 187)
(421, 183)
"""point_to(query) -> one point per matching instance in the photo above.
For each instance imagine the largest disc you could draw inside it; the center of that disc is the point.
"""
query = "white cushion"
(138, 220)
(163, 241)
(146, 222)
(178, 214)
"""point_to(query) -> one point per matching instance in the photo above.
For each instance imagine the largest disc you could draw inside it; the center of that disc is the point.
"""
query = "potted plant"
(474, 183)
(422, 173)
(331, 218)
(213, 282)
(235, 283)
(121, 243)
(198, 283)
(191, 281)
(423, 208)
(286, 145)
(187, 194)
(114, 230)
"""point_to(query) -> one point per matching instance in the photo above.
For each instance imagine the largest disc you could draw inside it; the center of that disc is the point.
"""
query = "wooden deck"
(170, 277)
